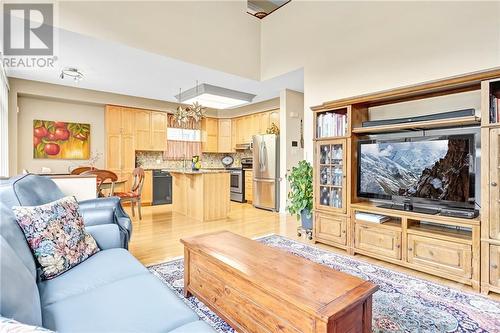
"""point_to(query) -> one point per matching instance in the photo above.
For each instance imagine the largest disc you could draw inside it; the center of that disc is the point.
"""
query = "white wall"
(291, 113)
(214, 34)
(352, 48)
(31, 108)
(270, 104)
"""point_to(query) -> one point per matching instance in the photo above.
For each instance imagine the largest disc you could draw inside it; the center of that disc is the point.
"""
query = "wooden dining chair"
(134, 196)
(103, 176)
(80, 170)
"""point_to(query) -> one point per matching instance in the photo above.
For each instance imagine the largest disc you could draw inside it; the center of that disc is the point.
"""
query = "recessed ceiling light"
(72, 73)
(215, 97)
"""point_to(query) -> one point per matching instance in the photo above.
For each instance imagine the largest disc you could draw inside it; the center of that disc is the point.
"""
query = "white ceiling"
(117, 68)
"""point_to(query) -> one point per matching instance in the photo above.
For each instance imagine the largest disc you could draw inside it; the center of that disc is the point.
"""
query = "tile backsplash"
(154, 160)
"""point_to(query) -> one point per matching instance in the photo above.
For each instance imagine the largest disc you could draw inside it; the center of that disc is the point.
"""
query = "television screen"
(433, 168)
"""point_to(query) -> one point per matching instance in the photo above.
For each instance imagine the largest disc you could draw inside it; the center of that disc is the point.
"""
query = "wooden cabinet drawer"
(495, 265)
(331, 228)
(443, 256)
(378, 240)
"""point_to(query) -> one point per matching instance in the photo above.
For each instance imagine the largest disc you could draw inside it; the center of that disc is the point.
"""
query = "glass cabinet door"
(330, 180)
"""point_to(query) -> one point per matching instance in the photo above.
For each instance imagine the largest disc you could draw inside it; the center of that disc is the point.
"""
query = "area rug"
(402, 304)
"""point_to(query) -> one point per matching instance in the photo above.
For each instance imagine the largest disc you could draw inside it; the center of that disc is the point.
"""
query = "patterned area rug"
(402, 304)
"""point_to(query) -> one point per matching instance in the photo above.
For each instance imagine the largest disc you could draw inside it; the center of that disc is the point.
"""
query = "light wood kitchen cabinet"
(263, 122)
(249, 185)
(224, 136)
(274, 117)
(209, 135)
(147, 188)
(158, 130)
(120, 152)
(142, 130)
(255, 125)
(150, 130)
(240, 128)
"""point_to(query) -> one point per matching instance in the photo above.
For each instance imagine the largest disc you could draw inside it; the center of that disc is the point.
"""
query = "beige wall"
(214, 34)
(44, 100)
(44, 96)
(291, 113)
(352, 48)
(31, 108)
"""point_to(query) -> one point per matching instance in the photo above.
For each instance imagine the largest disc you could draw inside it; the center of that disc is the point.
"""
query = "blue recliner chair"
(109, 292)
(101, 215)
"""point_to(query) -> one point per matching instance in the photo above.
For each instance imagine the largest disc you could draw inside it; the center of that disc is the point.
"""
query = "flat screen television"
(437, 170)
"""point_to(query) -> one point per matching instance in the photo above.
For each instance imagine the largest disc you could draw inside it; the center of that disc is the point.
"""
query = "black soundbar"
(436, 116)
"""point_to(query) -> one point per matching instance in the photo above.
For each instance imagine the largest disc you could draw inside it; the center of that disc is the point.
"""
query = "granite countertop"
(199, 172)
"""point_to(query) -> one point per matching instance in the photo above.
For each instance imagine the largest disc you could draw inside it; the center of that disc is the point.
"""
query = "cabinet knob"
(494, 266)
(398, 246)
(493, 184)
(410, 249)
(343, 231)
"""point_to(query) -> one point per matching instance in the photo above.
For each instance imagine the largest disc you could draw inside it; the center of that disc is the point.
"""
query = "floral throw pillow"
(56, 235)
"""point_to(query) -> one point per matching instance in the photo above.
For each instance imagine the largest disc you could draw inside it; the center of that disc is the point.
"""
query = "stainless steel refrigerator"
(266, 171)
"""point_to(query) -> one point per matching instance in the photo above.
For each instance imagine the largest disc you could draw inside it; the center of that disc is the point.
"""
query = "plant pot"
(307, 223)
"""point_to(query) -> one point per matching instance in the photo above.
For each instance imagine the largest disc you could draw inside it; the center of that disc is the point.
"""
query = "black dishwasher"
(162, 187)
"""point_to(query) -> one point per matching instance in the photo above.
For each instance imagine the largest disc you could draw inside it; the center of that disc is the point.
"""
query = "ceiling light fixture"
(71, 72)
(215, 97)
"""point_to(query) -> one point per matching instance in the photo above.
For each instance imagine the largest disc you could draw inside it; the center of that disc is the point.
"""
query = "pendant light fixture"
(195, 110)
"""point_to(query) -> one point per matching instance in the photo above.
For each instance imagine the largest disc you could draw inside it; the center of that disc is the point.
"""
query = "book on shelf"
(373, 218)
(331, 124)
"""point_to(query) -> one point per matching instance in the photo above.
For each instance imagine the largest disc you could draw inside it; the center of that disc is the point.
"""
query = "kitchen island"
(202, 195)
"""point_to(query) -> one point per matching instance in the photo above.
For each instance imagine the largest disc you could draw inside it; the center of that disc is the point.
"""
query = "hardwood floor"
(155, 238)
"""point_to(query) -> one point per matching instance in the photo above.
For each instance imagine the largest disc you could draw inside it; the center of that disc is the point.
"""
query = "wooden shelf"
(370, 207)
(327, 138)
(393, 224)
(461, 236)
(329, 185)
(419, 125)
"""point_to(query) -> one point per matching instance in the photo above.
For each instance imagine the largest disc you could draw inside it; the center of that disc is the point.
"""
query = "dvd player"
(462, 213)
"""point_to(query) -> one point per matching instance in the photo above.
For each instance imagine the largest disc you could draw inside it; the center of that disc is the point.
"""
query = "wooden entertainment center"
(460, 249)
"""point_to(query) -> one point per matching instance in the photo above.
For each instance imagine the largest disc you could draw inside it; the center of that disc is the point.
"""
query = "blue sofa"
(109, 292)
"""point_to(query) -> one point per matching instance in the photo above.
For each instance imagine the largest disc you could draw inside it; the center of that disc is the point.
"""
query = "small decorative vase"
(306, 222)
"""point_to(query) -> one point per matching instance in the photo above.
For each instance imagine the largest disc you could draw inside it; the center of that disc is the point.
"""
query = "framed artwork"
(61, 140)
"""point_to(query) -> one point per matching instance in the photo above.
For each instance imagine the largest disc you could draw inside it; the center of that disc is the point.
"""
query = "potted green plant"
(300, 196)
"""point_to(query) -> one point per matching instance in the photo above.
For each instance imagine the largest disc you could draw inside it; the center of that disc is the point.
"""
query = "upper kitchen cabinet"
(209, 135)
(158, 130)
(274, 117)
(244, 127)
(150, 130)
(143, 130)
(225, 136)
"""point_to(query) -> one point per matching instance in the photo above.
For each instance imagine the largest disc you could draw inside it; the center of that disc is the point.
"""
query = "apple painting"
(61, 140)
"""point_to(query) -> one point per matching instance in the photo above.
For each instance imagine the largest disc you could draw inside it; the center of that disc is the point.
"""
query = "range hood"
(243, 146)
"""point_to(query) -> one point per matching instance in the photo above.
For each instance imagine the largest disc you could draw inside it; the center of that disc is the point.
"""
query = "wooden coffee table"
(258, 288)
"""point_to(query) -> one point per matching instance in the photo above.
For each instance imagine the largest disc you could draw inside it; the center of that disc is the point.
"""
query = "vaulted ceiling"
(151, 49)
